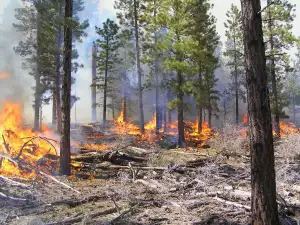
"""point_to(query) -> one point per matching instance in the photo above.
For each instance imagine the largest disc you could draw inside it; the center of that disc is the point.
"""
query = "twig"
(59, 182)
(117, 207)
(267, 6)
(31, 139)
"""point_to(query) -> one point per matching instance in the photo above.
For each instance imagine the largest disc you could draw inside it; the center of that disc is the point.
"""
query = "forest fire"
(20, 143)
(286, 128)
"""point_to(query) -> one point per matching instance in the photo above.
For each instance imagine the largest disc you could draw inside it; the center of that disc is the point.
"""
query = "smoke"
(16, 85)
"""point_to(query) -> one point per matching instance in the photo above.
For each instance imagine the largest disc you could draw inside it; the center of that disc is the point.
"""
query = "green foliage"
(107, 55)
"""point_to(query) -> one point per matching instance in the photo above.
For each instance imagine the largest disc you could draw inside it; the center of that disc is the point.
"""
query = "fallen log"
(232, 203)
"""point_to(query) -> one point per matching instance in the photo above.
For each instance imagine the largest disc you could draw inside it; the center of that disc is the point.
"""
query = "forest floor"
(138, 183)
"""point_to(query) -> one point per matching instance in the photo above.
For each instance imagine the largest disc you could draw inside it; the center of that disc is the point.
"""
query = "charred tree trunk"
(200, 120)
(142, 128)
(38, 94)
(94, 77)
(58, 74)
(105, 86)
(65, 152)
(263, 198)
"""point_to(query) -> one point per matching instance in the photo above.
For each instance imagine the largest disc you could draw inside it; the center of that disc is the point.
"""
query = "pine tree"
(65, 152)
(179, 45)
(107, 58)
(234, 53)
(278, 20)
(206, 40)
(263, 197)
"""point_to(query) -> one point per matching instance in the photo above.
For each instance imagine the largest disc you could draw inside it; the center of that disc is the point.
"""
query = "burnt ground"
(145, 184)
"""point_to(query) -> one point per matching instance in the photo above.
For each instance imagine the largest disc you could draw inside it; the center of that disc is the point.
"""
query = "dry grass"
(230, 140)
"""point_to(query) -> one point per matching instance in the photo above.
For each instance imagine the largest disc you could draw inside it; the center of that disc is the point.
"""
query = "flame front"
(14, 137)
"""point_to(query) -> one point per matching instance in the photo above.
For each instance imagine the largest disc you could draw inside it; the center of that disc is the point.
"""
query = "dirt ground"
(175, 186)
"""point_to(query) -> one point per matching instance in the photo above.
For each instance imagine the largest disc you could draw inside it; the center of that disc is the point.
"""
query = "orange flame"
(4, 75)
(151, 125)
(15, 137)
(286, 128)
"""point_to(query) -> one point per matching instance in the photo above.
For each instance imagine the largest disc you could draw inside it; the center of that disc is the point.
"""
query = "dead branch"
(12, 182)
(17, 161)
(33, 138)
(59, 182)
(80, 218)
(232, 203)
(5, 197)
(5, 145)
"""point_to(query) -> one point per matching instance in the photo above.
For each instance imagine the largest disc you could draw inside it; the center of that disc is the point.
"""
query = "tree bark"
(181, 141)
(273, 78)
(37, 96)
(142, 128)
(105, 86)
(94, 77)
(58, 74)
(294, 108)
(263, 199)
(65, 152)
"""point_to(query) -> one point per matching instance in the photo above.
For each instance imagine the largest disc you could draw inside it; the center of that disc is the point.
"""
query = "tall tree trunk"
(294, 109)
(273, 77)
(58, 74)
(200, 119)
(38, 94)
(105, 87)
(94, 77)
(165, 112)
(54, 108)
(209, 112)
(181, 141)
(169, 111)
(65, 152)
(142, 128)
(236, 85)
(263, 196)
(157, 104)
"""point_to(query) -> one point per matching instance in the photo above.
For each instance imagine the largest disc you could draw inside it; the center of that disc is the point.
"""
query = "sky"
(97, 12)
